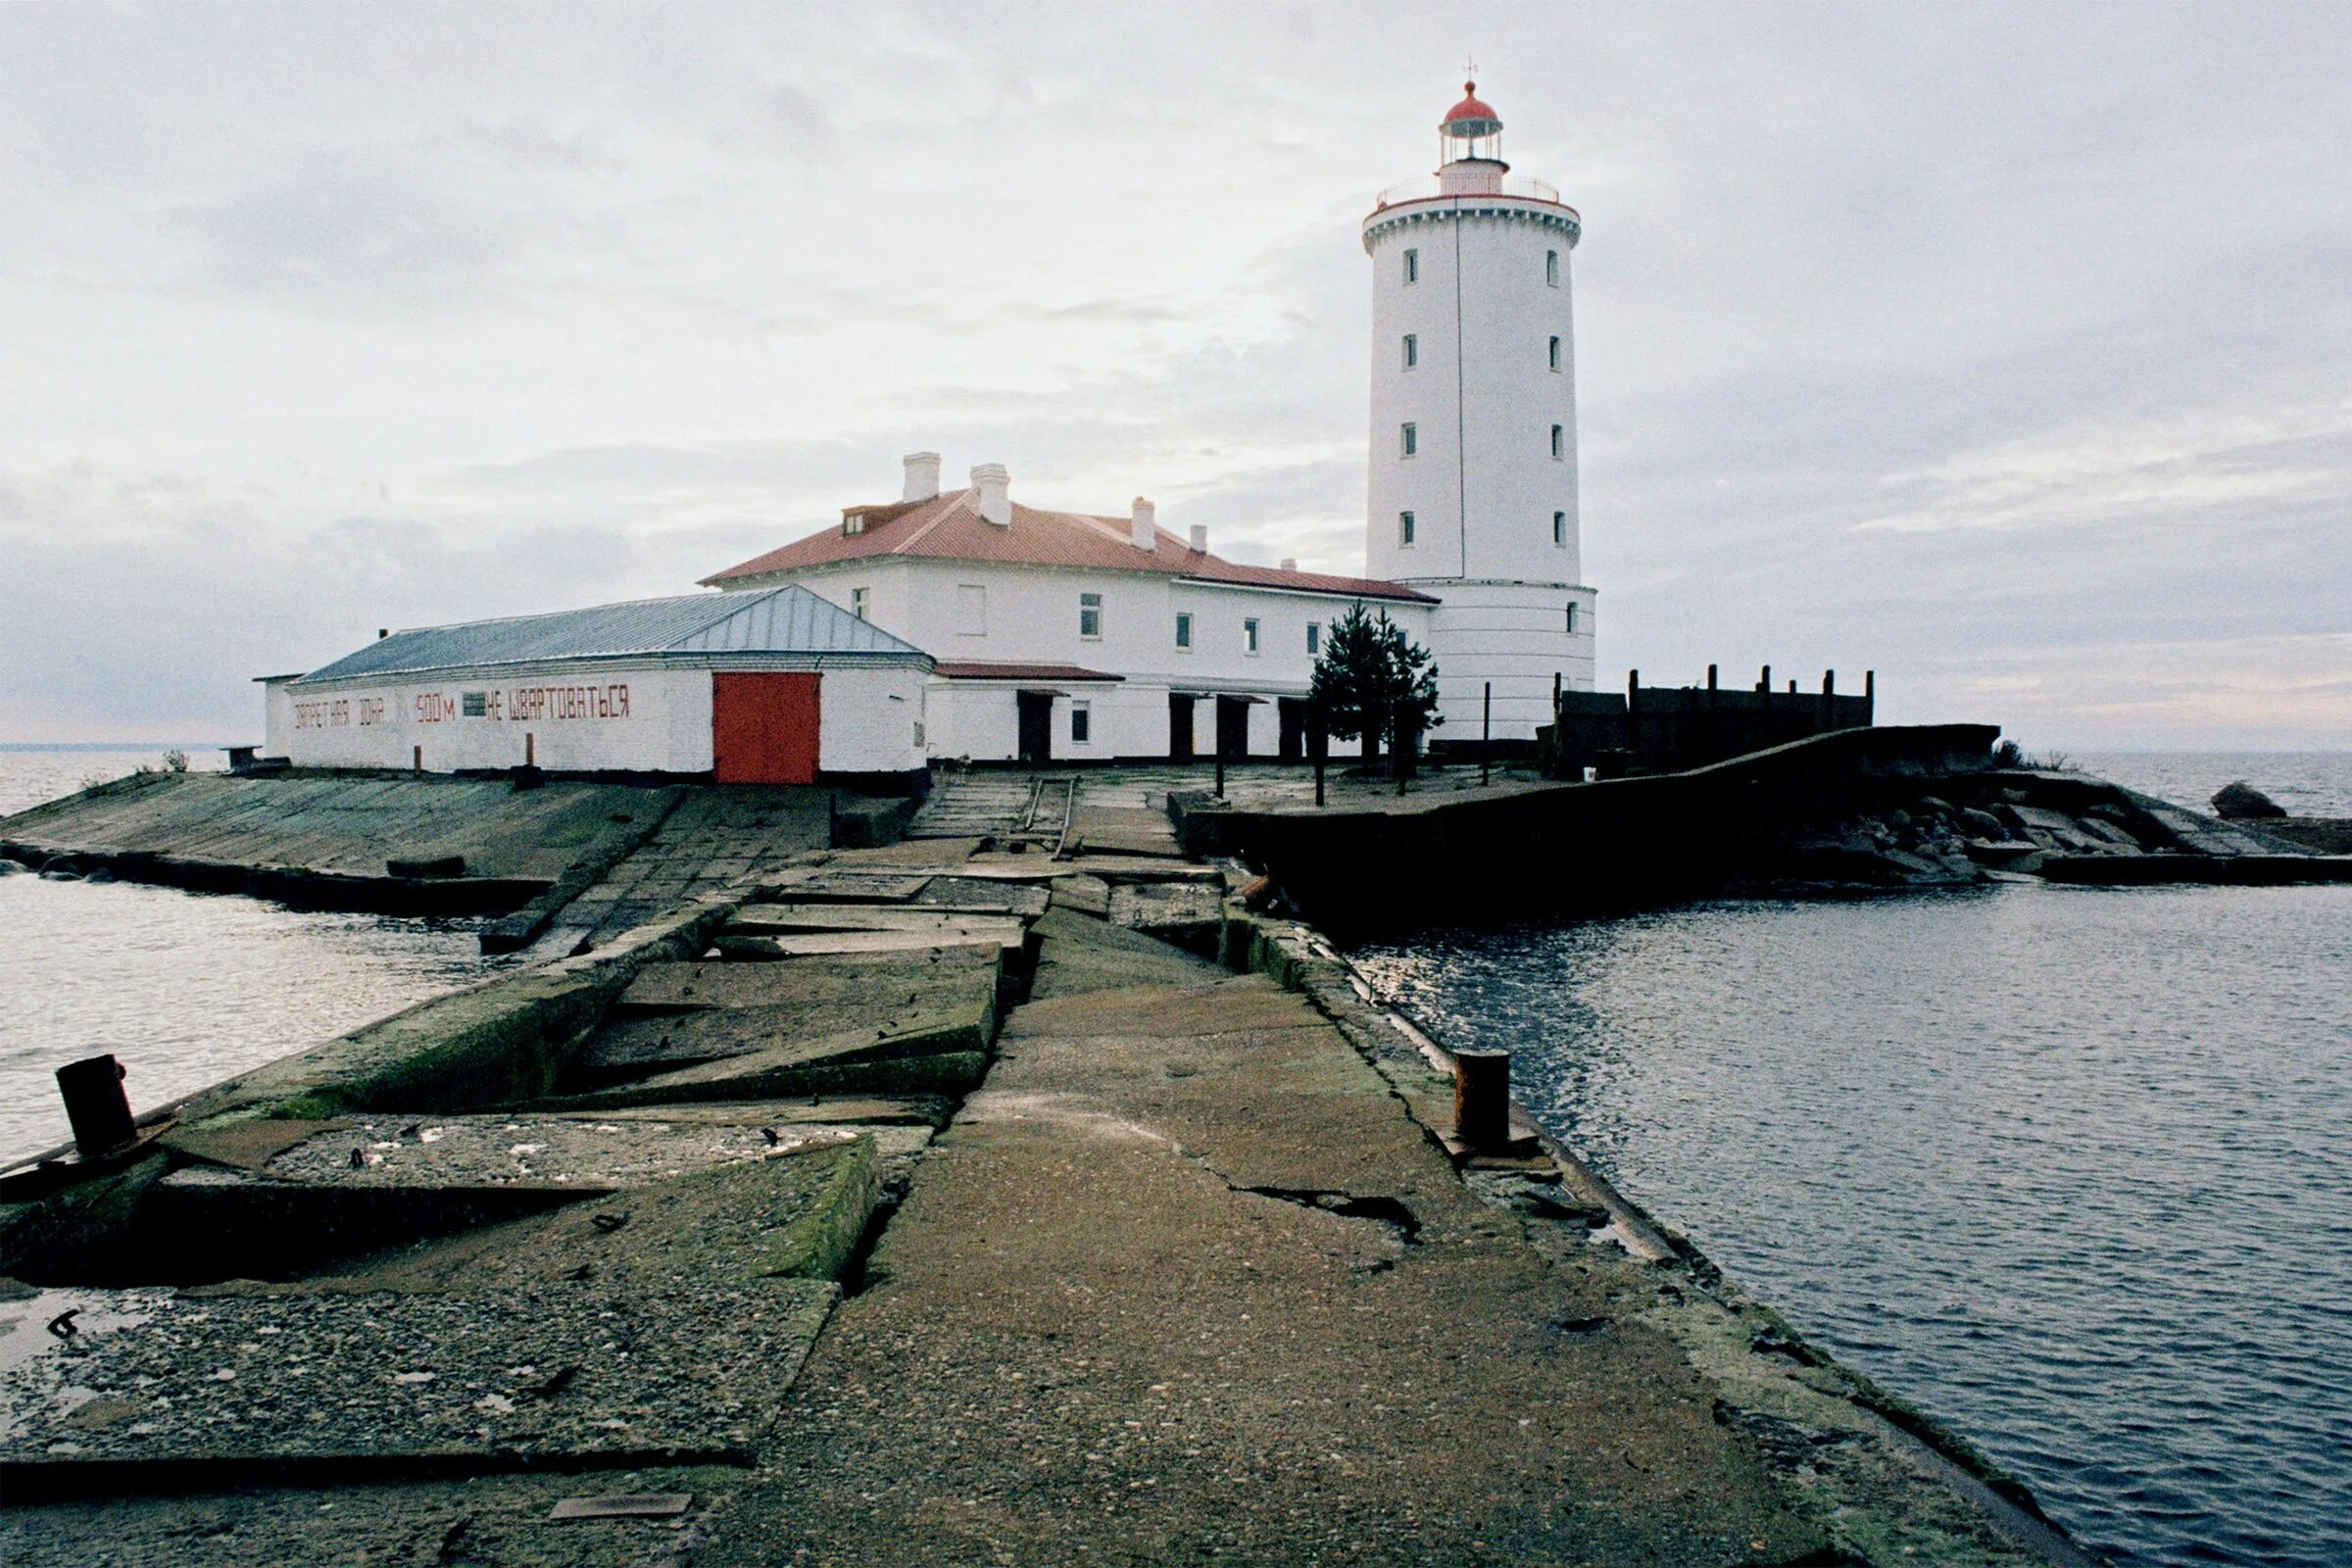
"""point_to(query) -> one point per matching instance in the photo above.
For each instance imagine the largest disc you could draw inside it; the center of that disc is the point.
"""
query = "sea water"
(2069, 1168)
(185, 988)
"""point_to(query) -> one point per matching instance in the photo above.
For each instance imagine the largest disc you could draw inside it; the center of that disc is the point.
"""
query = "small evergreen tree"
(1373, 682)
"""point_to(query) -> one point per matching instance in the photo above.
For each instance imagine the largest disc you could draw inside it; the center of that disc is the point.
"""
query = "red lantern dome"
(1470, 117)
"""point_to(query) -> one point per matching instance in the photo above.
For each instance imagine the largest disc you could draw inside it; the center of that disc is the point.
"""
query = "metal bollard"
(96, 1105)
(1482, 1098)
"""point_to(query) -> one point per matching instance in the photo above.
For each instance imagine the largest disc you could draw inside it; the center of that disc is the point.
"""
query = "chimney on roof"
(995, 506)
(1290, 563)
(1146, 528)
(1201, 538)
(922, 476)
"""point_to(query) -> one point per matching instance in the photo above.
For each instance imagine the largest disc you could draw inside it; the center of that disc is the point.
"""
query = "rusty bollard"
(1482, 1098)
(96, 1105)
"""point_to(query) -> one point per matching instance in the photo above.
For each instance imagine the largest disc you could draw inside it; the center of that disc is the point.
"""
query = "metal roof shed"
(775, 685)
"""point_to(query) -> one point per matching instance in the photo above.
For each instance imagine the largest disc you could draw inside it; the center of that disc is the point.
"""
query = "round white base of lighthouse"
(1515, 638)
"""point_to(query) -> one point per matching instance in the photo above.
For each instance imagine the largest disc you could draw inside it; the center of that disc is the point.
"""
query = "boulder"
(1984, 825)
(2239, 801)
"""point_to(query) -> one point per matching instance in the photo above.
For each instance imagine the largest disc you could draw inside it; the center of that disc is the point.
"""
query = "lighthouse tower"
(1473, 459)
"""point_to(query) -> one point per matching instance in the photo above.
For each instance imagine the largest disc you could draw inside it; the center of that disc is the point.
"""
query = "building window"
(1409, 439)
(1412, 267)
(971, 609)
(852, 523)
(1572, 618)
(1314, 638)
(1090, 614)
(473, 705)
(1405, 530)
(1082, 723)
(1184, 630)
(1559, 440)
(1412, 351)
(1551, 267)
(1559, 530)
(857, 603)
(1556, 353)
(1249, 636)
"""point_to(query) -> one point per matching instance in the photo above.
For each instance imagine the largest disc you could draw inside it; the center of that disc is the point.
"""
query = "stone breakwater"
(913, 1204)
(1850, 810)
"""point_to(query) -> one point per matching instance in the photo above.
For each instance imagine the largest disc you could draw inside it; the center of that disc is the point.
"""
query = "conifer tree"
(1373, 682)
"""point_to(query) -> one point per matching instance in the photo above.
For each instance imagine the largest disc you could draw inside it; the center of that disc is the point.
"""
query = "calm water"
(2070, 1168)
(2305, 783)
(186, 989)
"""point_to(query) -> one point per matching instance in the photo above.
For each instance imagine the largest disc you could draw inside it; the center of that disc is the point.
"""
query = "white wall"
(870, 719)
(583, 716)
(1033, 618)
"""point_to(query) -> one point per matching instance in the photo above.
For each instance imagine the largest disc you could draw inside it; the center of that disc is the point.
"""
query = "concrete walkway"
(1186, 1282)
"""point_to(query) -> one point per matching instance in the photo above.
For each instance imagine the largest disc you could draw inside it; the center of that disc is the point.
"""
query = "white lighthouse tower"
(1473, 460)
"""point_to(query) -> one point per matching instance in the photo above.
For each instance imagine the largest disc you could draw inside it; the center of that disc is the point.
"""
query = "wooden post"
(1318, 746)
(1870, 696)
(96, 1105)
(1632, 698)
(531, 749)
(1829, 699)
(1764, 683)
(1710, 677)
(1220, 750)
(416, 759)
(1482, 1098)
(1486, 734)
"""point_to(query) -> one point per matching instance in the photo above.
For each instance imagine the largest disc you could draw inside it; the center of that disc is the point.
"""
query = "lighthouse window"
(1556, 353)
(473, 705)
(1314, 638)
(1559, 441)
(1559, 535)
(1572, 621)
(1404, 528)
(1410, 440)
(1249, 636)
(857, 603)
(1412, 267)
(1412, 351)
(1184, 628)
(1551, 267)
(1090, 614)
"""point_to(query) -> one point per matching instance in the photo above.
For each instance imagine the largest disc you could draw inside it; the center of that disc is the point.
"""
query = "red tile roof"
(949, 527)
(988, 669)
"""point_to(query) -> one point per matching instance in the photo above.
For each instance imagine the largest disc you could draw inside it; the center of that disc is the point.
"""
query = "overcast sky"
(2007, 351)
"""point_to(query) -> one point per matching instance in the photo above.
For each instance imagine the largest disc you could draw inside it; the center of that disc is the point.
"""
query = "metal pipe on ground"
(1482, 1098)
(96, 1107)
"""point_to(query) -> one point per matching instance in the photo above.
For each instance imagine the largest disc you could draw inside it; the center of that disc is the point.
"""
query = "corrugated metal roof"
(788, 620)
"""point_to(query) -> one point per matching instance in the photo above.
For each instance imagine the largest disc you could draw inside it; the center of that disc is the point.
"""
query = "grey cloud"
(351, 237)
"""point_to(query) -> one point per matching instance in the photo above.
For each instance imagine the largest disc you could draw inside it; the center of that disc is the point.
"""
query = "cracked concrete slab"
(201, 1386)
(1158, 1295)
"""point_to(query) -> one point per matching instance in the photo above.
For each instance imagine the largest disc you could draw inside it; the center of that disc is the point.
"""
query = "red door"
(764, 728)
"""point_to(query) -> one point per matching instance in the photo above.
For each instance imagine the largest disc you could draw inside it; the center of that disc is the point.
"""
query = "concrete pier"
(1020, 1235)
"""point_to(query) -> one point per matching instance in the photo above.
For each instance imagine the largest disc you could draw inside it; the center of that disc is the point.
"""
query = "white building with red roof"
(1075, 636)
(1068, 636)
